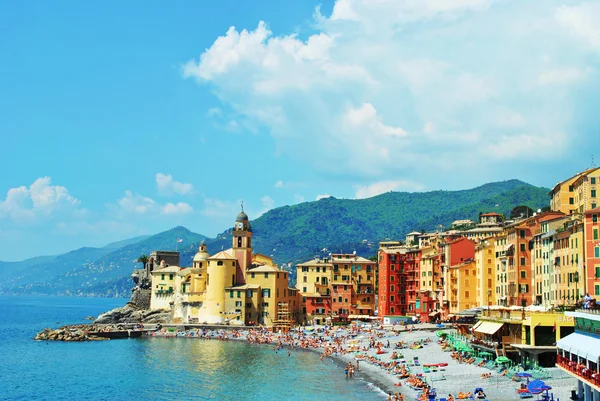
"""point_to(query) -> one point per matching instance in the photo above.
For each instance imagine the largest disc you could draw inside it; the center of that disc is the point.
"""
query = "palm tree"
(143, 259)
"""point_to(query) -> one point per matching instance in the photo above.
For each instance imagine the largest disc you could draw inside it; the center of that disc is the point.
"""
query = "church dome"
(241, 217)
(201, 255)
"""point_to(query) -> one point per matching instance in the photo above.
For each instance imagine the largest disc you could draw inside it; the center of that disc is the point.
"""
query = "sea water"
(152, 368)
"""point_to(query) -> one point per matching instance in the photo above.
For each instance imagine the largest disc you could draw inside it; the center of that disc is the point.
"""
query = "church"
(234, 286)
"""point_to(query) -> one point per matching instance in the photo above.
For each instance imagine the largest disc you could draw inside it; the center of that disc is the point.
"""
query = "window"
(595, 233)
(593, 193)
(392, 287)
(252, 275)
(324, 269)
(597, 289)
(597, 271)
(522, 247)
(249, 294)
(594, 218)
(522, 261)
(522, 233)
(571, 201)
(523, 274)
(592, 180)
(303, 289)
(220, 263)
(391, 298)
(162, 276)
(304, 269)
(266, 293)
(466, 294)
(230, 294)
(239, 294)
(304, 279)
(597, 252)
(238, 303)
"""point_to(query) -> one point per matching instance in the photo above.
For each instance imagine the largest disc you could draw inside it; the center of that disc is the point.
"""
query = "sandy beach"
(361, 344)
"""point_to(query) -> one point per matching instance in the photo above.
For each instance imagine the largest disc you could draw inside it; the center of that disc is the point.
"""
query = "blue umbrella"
(537, 387)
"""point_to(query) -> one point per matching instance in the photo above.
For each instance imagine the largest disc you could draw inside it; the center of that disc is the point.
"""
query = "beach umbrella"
(523, 374)
(486, 353)
(502, 359)
(537, 387)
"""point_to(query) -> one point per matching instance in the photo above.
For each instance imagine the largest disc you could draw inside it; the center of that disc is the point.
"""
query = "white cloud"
(559, 76)
(40, 200)
(409, 87)
(582, 22)
(177, 208)
(137, 204)
(322, 196)
(298, 198)
(279, 184)
(215, 112)
(289, 184)
(381, 187)
(167, 186)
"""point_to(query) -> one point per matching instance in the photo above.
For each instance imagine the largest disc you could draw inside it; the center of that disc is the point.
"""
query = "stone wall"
(141, 298)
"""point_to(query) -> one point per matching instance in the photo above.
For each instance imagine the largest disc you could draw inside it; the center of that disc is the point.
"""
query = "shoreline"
(343, 345)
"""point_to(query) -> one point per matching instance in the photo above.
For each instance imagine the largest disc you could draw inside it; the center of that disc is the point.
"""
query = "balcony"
(578, 370)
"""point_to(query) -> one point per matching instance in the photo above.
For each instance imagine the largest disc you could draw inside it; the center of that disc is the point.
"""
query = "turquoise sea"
(152, 368)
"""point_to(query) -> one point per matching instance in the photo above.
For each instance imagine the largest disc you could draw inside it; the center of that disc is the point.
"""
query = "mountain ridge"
(290, 234)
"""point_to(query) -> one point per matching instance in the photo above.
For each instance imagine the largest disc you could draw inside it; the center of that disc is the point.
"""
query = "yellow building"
(562, 196)
(485, 262)
(463, 286)
(502, 251)
(163, 286)
(314, 276)
(525, 334)
(233, 286)
(585, 189)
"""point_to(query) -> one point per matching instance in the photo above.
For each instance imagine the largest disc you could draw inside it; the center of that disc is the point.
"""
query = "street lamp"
(488, 299)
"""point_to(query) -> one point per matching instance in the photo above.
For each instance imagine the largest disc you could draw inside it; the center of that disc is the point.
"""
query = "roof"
(414, 233)
(491, 214)
(311, 294)
(314, 262)
(244, 287)
(168, 269)
(484, 230)
(354, 258)
(596, 210)
(223, 255)
(266, 269)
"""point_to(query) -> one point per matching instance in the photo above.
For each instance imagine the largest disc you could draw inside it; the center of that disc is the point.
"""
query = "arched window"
(239, 242)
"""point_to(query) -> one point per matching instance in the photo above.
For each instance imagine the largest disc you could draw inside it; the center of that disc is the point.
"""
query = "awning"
(488, 327)
(359, 317)
(434, 313)
(581, 345)
(479, 323)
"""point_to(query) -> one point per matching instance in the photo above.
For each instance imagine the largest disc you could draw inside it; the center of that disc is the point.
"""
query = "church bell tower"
(242, 245)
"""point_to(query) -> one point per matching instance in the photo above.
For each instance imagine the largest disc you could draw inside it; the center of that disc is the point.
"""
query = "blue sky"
(127, 118)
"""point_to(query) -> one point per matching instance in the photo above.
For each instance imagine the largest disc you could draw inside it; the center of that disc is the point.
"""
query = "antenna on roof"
(242, 206)
(593, 164)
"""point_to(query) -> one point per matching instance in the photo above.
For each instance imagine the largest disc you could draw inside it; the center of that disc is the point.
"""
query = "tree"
(521, 211)
(143, 259)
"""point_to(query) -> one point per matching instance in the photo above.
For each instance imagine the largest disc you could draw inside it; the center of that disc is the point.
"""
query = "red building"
(341, 299)
(318, 307)
(413, 278)
(592, 252)
(392, 299)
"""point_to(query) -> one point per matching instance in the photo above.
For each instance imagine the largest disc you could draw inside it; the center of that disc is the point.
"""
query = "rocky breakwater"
(132, 313)
(68, 333)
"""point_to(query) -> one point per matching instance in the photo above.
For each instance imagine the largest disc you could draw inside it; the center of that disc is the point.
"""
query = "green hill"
(290, 234)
